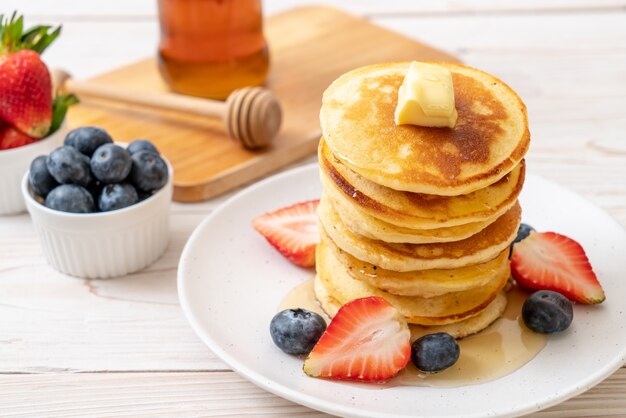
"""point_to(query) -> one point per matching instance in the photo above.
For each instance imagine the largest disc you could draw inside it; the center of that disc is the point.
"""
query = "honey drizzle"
(497, 351)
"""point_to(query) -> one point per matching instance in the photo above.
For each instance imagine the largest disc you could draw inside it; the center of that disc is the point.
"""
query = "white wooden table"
(122, 347)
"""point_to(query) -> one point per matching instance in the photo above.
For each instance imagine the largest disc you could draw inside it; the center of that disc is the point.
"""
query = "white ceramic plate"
(230, 283)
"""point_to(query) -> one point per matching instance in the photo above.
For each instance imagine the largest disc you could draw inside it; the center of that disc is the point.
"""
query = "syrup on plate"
(303, 296)
(505, 346)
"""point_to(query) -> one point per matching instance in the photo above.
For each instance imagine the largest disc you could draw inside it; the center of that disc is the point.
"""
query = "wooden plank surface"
(123, 348)
(206, 162)
(211, 394)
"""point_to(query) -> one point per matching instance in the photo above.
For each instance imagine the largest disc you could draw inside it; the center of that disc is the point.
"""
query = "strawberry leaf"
(59, 109)
(39, 39)
(14, 38)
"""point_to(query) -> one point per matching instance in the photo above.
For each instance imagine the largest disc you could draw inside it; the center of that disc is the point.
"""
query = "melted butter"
(497, 351)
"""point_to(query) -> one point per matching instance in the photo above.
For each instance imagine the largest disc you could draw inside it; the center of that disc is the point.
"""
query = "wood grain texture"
(206, 162)
(51, 322)
(566, 59)
(215, 394)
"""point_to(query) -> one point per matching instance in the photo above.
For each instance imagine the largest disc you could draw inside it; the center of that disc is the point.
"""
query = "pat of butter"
(426, 97)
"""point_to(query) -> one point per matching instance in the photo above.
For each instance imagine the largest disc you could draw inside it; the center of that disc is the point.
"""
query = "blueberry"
(39, 177)
(117, 196)
(149, 171)
(69, 166)
(70, 198)
(522, 233)
(144, 195)
(87, 139)
(547, 312)
(296, 331)
(111, 163)
(94, 188)
(142, 145)
(435, 352)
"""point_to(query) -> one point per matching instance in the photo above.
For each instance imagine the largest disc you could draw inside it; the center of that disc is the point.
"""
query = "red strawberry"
(26, 99)
(292, 231)
(12, 138)
(550, 261)
(368, 340)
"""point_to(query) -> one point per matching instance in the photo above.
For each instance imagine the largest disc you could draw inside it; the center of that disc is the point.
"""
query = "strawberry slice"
(12, 138)
(551, 261)
(368, 340)
(293, 231)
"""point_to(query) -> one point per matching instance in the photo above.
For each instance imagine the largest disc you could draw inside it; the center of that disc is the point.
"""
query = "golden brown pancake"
(490, 138)
(479, 248)
(423, 283)
(469, 326)
(415, 210)
(437, 310)
(459, 329)
(361, 223)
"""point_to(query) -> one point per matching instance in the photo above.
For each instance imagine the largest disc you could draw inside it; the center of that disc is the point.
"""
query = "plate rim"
(334, 408)
(242, 370)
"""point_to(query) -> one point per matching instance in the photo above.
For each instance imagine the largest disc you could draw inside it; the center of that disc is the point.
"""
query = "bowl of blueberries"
(100, 209)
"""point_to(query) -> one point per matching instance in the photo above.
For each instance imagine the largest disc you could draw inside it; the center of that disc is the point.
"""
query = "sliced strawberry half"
(368, 340)
(293, 231)
(551, 261)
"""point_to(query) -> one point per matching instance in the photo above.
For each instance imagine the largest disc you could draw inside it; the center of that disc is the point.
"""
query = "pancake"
(438, 310)
(479, 248)
(423, 283)
(361, 223)
(458, 330)
(469, 326)
(490, 138)
(414, 210)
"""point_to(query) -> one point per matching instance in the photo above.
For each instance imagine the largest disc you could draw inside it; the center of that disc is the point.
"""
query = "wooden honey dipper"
(251, 115)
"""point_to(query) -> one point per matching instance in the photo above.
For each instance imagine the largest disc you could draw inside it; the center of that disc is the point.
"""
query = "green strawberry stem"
(59, 109)
(38, 37)
(13, 38)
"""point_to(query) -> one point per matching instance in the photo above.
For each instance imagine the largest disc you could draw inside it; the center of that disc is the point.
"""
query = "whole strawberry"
(12, 138)
(26, 99)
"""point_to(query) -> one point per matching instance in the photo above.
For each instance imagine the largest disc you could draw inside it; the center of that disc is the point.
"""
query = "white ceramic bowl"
(15, 162)
(103, 244)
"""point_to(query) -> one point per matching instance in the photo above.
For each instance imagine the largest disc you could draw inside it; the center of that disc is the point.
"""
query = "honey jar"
(209, 48)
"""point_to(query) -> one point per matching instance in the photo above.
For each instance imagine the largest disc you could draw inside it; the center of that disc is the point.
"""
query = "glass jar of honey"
(209, 48)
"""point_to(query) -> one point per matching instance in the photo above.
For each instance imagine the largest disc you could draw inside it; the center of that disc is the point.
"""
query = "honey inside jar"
(209, 48)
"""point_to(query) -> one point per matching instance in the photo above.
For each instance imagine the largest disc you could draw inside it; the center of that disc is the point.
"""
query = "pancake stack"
(420, 216)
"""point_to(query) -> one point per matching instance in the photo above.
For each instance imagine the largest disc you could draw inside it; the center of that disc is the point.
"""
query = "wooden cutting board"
(309, 47)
